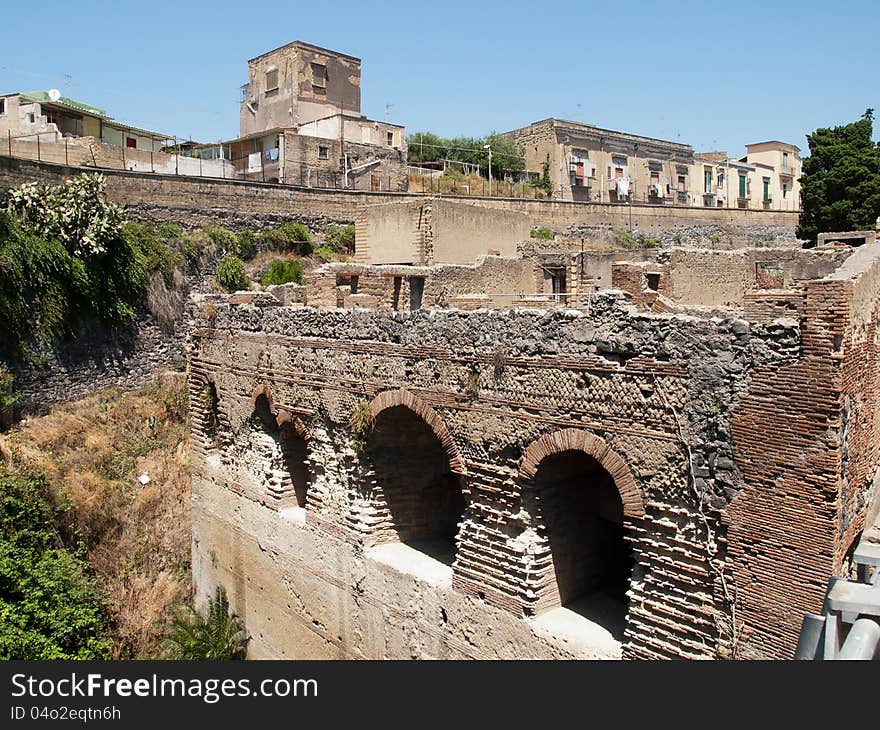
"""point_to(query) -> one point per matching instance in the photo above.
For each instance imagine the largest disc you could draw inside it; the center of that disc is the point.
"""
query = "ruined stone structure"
(633, 476)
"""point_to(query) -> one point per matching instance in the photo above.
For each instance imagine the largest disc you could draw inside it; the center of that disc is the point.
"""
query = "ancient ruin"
(543, 452)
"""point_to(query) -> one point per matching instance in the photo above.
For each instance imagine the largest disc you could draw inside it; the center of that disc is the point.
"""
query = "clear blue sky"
(688, 71)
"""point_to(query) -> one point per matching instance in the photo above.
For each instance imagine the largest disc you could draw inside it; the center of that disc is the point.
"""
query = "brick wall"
(502, 391)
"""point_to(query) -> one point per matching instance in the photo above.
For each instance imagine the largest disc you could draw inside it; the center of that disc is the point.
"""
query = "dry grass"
(137, 538)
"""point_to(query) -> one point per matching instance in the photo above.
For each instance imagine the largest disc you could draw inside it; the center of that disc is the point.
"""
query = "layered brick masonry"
(602, 482)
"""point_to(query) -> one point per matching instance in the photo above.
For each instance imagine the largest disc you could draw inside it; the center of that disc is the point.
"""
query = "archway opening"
(287, 455)
(414, 478)
(211, 415)
(581, 515)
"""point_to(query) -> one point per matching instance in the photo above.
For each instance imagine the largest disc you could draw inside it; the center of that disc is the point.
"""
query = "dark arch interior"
(581, 514)
(293, 448)
(212, 414)
(422, 493)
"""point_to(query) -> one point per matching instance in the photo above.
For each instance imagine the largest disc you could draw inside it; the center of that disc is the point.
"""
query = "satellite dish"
(54, 95)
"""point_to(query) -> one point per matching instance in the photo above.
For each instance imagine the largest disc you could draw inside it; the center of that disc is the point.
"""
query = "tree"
(840, 187)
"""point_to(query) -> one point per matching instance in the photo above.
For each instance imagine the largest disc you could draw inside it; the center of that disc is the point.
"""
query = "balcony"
(681, 197)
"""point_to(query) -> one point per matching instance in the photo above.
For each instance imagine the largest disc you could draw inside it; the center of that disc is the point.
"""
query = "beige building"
(765, 179)
(301, 123)
(589, 163)
(49, 117)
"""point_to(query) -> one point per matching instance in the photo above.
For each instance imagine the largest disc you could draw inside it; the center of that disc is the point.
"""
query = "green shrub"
(290, 234)
(223, 238)
(295, 231)
(246, 245)
(169, 231)
(47, 284)
(325, 253)
(159, 257)
(51, 605)
(340, 238)
(8, 397)
(283, 272)
(230, 273)
(218, 635)
(639, 240)
(543, 233)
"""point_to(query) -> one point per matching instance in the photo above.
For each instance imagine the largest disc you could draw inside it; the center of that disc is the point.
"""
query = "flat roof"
(593, 127)
(310, 46)
(776, 142)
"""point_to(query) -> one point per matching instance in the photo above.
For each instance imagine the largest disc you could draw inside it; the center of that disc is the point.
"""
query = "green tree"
(840, 187)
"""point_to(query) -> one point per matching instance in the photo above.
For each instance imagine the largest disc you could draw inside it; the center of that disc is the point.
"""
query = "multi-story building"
(589, 163)
(301, 123)
(766, 178)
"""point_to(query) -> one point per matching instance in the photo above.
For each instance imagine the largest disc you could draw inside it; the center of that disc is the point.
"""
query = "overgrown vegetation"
(75, 472)
(840, 187)
(639, 240)
(230, 273)
(361, 424)
(217, 634)
(542, 232)
(339, 238)
(283, 271)
(51, 605)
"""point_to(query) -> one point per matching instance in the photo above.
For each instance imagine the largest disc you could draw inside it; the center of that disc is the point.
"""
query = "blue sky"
(693, 72)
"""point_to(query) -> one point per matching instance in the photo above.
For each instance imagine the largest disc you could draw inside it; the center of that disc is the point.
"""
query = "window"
(766, 189)
(742, 186)
(682, 183)
(390, 139)
(323, 153)
(131, 142)
(786, 165)
(2, 107)
(652, 279)
(271, 79)
(720, 179)
(31, 118)
(319, 77)
(707, 179)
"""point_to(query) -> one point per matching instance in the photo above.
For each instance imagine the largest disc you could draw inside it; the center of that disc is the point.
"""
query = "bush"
(52, 607)
(223, 238)
(340, 238)
(543, 233)
(153, 244)
(290, 234)
(325, 253)
(55, 271)
(283, 272)
(639, 240)
(295, 231)
(230, 273)
(218, 635)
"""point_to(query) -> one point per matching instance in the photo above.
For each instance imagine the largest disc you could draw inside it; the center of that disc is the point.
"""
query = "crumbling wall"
(501, 391)
(860, 386)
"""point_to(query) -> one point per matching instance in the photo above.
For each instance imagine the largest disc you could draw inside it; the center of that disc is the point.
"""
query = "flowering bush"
(75, 212)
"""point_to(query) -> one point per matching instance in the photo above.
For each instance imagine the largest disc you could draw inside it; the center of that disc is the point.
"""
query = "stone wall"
(698, 478)
(95, 359)
(195, 201)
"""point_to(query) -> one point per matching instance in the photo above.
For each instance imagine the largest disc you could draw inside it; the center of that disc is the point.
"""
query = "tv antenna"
(388, 107)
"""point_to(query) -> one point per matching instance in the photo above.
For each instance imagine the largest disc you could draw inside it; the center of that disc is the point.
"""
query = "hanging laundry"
(622, 187)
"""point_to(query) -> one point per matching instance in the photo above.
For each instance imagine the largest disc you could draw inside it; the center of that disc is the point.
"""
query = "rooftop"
(303, 44)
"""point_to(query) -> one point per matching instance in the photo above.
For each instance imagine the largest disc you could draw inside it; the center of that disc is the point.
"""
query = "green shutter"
(742, 186)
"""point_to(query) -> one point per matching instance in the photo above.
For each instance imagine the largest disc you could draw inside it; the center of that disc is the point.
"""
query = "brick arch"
(262, 389)
(295, 422)
(393, 398)
(575, 439)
